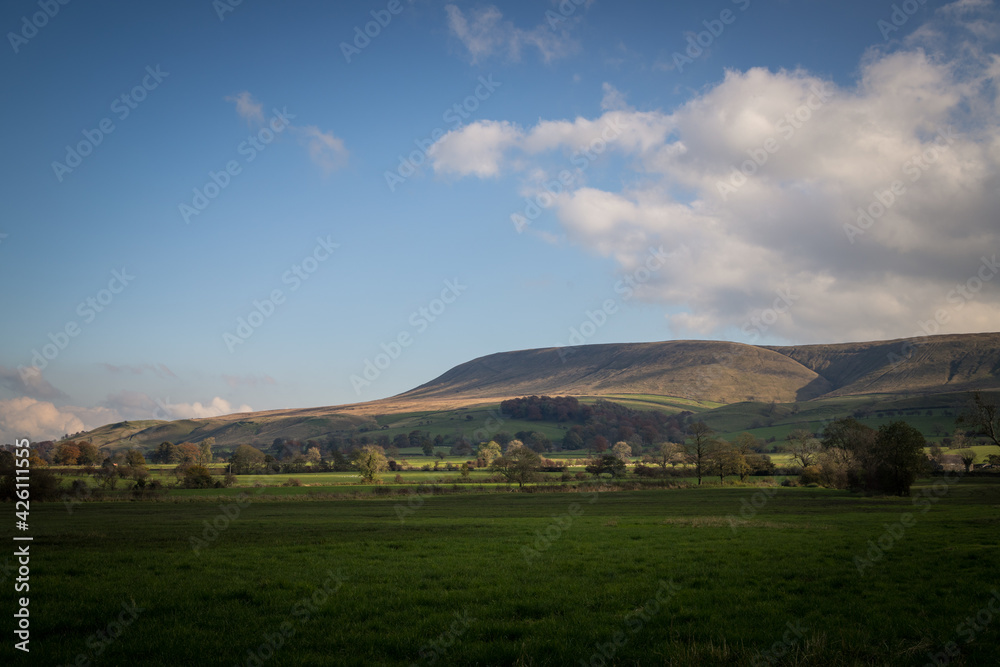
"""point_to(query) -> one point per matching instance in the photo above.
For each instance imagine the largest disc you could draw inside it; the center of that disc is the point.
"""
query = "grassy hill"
(766, 390)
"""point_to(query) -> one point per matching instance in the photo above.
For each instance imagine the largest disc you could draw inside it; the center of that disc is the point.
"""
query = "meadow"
(714, 575)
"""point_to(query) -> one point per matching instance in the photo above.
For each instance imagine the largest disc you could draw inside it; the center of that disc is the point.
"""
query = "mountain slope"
(699, 370)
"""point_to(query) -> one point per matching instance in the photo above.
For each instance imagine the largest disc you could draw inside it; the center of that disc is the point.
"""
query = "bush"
(292, 481)
(197, 477)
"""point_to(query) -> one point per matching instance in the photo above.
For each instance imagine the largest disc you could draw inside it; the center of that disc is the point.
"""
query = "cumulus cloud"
(774, 181)
(248, 108)
(26, 417)
(484, 33)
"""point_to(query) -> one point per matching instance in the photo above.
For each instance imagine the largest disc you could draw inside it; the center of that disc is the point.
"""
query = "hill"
(669, 375)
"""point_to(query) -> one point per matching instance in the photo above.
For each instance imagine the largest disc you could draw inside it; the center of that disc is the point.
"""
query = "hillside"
(704, 373)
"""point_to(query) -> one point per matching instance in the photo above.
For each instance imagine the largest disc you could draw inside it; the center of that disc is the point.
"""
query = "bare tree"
(701, 441)
(983, 417)
(803, 447)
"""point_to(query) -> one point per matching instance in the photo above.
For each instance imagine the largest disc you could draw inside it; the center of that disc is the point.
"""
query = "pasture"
(714, 575)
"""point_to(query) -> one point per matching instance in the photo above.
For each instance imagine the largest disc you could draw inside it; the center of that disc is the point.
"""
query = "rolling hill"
(702, 372)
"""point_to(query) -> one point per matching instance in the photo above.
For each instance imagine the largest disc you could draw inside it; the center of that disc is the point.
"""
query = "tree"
(512, 445)
(196, 477)
(663, 454)
(246, 459)
(519, 464)
(968, 458)
(983, 417)
(803, 447)
(67, 454)
(622, 450)
(698, 448)
(188, 452)
(722, 459)
(107, 475)
(89, 454)
(313, 455)
(900, 457)
(135, 458)
(606, 463)
(487, 453)
(205, 451)
(371, 462)
(166, 452)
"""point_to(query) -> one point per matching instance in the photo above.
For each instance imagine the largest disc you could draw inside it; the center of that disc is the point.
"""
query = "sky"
(215, 207)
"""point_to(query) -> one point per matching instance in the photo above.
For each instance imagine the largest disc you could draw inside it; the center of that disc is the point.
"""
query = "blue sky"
(648, 109)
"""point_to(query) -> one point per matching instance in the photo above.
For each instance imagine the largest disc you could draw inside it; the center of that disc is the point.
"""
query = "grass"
(470, 575)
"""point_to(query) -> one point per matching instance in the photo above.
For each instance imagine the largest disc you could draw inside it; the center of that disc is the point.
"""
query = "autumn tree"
(487, 453)
(134, 457)
(67, 454)
(371, 462)
(188, 452)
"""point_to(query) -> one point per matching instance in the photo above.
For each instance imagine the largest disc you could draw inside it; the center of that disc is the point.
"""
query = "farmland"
(711, 575)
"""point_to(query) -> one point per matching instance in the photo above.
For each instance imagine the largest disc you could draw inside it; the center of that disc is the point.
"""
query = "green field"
(647, 577)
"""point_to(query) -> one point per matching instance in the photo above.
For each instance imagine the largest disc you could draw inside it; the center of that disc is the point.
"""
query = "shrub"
(292, 481)
(197, 477)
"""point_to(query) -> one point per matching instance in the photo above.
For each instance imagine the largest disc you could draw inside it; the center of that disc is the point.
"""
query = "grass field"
(659, 577)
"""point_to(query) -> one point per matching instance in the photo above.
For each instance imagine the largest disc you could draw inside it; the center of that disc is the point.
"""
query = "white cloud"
(29, 418)
(326, 150)
(215, 408)
(484, 33)
(248, 108)
(474, 149)
(925, 116)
